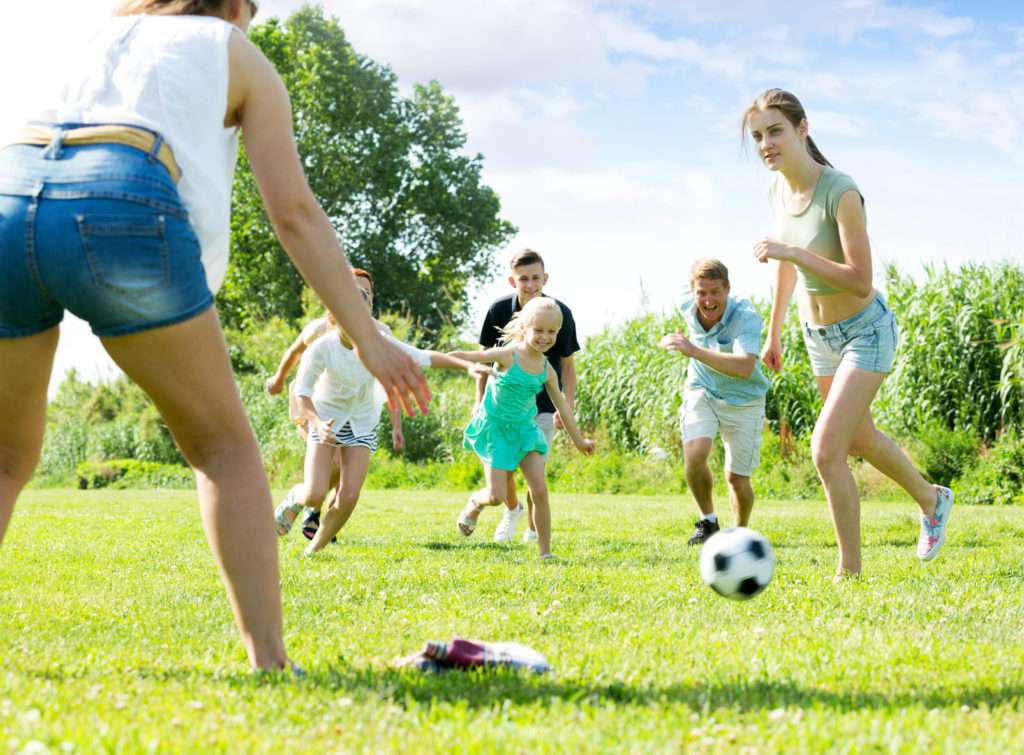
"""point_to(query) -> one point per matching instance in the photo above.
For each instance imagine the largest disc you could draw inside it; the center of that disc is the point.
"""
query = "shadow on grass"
(494, 687)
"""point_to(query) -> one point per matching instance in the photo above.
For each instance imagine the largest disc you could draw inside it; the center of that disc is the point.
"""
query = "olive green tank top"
(814, 228)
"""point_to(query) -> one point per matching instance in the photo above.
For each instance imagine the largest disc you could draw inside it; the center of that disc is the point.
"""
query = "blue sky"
(610, 129)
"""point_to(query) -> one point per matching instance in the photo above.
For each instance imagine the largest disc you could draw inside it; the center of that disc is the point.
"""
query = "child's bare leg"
(492, 495)
(511, 499)
(533, 470)
(333, 485)
(316, 475)
(355, 463)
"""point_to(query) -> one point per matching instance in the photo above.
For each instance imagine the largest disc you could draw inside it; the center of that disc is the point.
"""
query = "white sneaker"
(509, 521)
(933, 528)
(530, 536)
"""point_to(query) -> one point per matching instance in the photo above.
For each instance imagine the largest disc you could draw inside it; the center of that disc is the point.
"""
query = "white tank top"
(168, 74)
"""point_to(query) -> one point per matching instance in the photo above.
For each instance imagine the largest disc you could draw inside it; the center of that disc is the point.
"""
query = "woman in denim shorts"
(820, 237)
(115, 205)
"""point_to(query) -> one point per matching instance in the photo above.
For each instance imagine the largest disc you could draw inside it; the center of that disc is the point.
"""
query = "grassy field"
(115, 635)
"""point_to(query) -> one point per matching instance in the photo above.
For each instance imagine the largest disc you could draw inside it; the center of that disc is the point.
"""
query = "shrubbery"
(955, 399)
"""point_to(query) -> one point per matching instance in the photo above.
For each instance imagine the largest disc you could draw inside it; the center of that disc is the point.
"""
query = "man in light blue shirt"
(725, 392)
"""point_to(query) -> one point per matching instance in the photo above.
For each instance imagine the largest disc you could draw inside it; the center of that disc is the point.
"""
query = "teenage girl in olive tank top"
(820, 236)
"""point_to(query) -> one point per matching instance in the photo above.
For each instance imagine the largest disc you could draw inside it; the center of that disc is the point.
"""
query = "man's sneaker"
(933, 528)
(508, 524)
(529, 536)
(705, 529)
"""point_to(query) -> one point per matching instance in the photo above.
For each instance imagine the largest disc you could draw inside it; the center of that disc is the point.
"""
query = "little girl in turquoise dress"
(502, 432)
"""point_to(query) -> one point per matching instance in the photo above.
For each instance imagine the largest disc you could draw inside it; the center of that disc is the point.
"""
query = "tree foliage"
(388, 170)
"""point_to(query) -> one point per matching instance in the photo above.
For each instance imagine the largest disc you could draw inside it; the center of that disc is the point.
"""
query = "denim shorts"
(867, 341)
(98, 230)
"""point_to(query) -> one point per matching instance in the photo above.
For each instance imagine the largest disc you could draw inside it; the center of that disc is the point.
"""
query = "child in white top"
(341, 401)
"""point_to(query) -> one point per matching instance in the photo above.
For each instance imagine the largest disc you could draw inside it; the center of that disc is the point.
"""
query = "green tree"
(388, 170)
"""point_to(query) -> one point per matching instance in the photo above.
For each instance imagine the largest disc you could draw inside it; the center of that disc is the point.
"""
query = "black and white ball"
(737, 563)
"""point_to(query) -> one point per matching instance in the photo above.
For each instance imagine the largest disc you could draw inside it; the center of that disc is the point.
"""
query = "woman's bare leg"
(186, 371)
(847, 403)
(25, 366)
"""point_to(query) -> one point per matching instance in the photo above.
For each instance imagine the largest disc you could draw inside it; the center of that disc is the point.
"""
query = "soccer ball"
(737, 562)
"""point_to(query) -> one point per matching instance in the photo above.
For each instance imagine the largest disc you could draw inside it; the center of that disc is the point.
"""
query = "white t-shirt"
(342, 389)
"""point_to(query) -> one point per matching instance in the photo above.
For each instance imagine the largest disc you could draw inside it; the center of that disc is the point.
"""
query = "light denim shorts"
(867, 341)
(98, 230)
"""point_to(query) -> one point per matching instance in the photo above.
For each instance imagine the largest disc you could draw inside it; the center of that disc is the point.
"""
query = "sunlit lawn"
(115, 634)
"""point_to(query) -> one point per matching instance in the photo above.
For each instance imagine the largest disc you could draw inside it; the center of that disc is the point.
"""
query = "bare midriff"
(826, 309)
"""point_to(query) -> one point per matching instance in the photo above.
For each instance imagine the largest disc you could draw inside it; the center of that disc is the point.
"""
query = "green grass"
(115, 634)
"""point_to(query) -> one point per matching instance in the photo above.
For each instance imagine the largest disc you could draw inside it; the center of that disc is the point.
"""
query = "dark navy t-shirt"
(499, 315)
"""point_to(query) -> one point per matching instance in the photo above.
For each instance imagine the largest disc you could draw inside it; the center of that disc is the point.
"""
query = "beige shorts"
(702, 416)
(546, 422)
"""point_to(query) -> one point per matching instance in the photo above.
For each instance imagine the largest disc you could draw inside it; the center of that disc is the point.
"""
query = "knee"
(696, 461)
(739, 483)
(825, 456)
(17, 465)
(343, 500)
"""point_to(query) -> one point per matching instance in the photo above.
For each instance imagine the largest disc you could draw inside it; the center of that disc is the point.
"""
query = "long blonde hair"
(515, 331)
(791, 109)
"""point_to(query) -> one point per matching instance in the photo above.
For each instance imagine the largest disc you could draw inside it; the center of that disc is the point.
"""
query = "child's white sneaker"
(530, 536)
(507, 526)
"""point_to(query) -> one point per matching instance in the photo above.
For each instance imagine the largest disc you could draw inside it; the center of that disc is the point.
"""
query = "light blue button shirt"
(738, 332)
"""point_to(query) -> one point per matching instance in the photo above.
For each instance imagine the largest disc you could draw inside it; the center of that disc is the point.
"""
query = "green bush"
(950, 368)
(998, 476)
(132, 473)
(945, 455)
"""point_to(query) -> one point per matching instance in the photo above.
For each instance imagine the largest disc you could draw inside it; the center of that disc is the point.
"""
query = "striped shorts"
(343, 437)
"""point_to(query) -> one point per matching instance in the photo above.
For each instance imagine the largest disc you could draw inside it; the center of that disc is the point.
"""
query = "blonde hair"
(709, 269)
(791, 109)
(515, 331)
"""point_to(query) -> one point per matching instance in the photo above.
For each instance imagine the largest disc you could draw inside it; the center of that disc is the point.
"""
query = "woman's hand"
(397, 372)
(772, 356)
(769, 249)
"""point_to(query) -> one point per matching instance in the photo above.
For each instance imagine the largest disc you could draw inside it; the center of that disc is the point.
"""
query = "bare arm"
(733, 365)
(275, 384)
(585, 445)
(785, 282)
(569, 381)
(452, 362)
(309, 413)
(501, 354)
(258, 102)
(854, 273)
(397, 436)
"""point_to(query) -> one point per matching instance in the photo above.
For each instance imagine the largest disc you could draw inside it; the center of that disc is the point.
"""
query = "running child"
(503, 432)
(529, 277)
(341, 403)
(275, 384)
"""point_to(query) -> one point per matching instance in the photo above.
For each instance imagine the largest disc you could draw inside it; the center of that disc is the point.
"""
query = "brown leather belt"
(133, 137)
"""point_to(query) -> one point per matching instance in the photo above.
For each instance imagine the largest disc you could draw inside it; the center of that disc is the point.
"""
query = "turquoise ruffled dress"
(502, 431)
